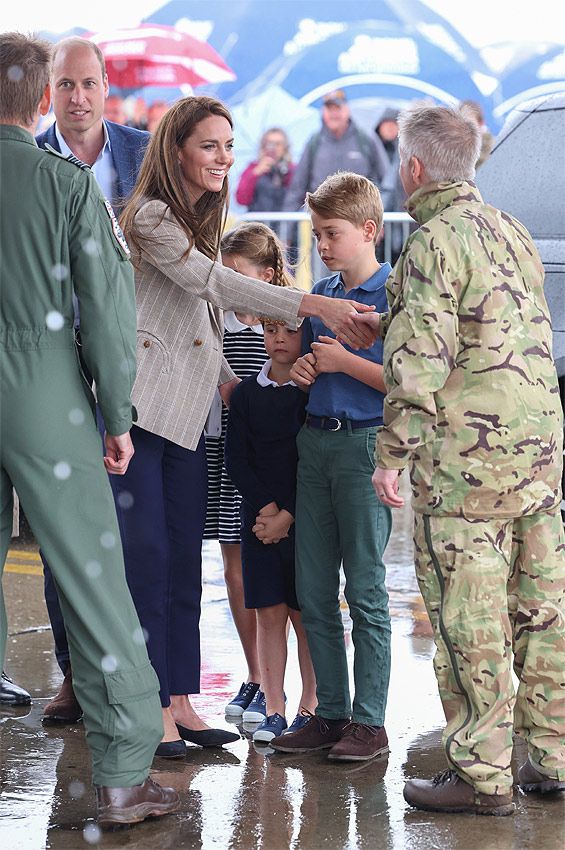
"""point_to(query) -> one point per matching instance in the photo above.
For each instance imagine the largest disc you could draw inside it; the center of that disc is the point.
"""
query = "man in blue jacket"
(79, 86)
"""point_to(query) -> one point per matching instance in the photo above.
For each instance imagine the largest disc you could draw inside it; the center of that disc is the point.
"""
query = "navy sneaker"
(257, 710)
(242, 699)
(299, 721)
(273, 726)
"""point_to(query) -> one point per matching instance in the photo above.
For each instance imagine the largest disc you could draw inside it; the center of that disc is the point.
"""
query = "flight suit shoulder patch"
(70, 158)
(116, 229)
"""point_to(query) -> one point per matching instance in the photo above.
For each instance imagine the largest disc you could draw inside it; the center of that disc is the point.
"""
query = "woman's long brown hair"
(160, 178)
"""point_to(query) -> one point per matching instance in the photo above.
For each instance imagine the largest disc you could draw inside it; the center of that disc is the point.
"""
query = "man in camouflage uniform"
(473, 409)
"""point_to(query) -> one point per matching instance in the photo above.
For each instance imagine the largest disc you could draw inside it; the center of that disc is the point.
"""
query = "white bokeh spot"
(93, 569)
(15, 73)
(90, 246)
(125, 500)
(108, 539)
(76, 789)
(62, 470)
(76, 416)
(109, 664)
(140, 636)
(54, 320)
(92, 833)
(59, 271)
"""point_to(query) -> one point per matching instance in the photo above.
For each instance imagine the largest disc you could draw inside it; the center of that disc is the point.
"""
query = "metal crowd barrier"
(307, 265)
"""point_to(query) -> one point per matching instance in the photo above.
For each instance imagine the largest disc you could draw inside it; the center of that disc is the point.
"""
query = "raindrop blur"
(109, 664)
(140, 635)
(76, 416)
(93, 569)
(59, 271)
(108, 540)
(90, 246)
(76, 789)
(54, 320)
(92, 833)
(15, 73)
(62, 470)
(125, 500)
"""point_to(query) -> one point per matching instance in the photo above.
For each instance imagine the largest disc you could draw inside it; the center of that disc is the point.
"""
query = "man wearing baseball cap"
(340, 145)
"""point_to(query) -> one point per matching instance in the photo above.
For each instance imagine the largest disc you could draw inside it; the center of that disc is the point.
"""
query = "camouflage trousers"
(495, 594)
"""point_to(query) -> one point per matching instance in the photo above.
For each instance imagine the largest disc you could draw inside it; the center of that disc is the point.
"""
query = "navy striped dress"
(244, 350)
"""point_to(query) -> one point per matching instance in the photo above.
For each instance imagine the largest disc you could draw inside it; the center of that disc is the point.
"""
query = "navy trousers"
(55, 616)
(161, 507)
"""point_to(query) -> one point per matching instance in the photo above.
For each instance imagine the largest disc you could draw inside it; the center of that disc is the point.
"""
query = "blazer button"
(147, 343)
(197, 342)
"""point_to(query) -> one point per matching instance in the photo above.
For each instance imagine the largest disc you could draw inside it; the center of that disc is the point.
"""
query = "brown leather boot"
(447, 792)
(64, 708)
(360, 742)
(319, 733)
(531, 779)
(134, 804)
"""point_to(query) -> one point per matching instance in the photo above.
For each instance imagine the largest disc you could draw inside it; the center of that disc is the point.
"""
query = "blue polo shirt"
(333, 393)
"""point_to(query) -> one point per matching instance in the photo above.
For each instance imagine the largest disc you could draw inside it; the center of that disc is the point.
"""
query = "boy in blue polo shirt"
(338, 516)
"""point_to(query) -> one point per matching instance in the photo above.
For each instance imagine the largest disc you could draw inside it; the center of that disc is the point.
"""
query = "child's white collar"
(263, 377)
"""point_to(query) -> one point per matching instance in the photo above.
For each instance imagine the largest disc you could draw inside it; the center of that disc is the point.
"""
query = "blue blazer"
(128, 147)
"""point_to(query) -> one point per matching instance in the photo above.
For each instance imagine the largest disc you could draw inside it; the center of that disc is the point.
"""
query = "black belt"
(332, 423)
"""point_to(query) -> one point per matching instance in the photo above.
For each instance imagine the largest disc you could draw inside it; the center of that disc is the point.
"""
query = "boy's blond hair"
(348, 196)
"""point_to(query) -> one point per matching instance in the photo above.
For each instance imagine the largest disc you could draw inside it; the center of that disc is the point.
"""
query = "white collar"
(263, 377)
(233, 325)
(65, 149)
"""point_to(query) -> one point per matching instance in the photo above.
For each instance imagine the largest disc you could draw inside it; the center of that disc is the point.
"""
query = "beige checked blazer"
(180, 326)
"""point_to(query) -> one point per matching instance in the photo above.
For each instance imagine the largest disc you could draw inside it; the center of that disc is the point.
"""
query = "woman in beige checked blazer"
(173, 223)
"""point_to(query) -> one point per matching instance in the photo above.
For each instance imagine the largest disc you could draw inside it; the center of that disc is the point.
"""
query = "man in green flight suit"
(473, 409)
(59, 238)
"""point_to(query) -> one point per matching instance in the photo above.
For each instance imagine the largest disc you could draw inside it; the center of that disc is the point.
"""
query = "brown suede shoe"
(134, 804)
(63, 708)
(530, 779)
(447, 792)
(317, 734)
(360, 742)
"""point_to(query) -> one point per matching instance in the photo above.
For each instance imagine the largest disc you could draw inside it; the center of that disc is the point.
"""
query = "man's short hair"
(77, 41)
(445, 141)
(24, 73)
(349, 196)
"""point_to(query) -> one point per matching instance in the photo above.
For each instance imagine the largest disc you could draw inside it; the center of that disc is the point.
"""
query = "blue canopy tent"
(252, 35)
(287, 54)
(374, 58)
(540, 73)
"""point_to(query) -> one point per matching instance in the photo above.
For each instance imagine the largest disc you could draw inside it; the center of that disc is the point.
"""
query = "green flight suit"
(58, 238)
(472, 408)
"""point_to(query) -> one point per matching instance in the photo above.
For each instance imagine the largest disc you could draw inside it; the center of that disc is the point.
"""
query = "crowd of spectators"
(273, 181)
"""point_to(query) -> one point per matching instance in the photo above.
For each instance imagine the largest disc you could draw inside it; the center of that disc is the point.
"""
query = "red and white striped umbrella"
(152, 55)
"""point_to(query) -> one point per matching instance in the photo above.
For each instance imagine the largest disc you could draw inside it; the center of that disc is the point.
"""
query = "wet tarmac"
(242, 797)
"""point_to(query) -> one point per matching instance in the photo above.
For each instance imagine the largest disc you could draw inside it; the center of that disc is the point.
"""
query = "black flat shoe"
(207, 737)
(171, 750)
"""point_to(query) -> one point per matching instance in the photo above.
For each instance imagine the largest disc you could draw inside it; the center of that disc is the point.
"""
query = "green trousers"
(494, 591)
(50, 452)
(339, 519)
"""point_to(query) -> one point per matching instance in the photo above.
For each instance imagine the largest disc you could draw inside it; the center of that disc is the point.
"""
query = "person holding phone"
(263, 184)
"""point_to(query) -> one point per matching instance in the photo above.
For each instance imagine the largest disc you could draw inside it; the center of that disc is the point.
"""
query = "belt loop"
(349, 426)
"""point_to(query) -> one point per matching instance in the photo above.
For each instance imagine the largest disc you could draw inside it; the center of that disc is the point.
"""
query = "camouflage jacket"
(473, 403)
